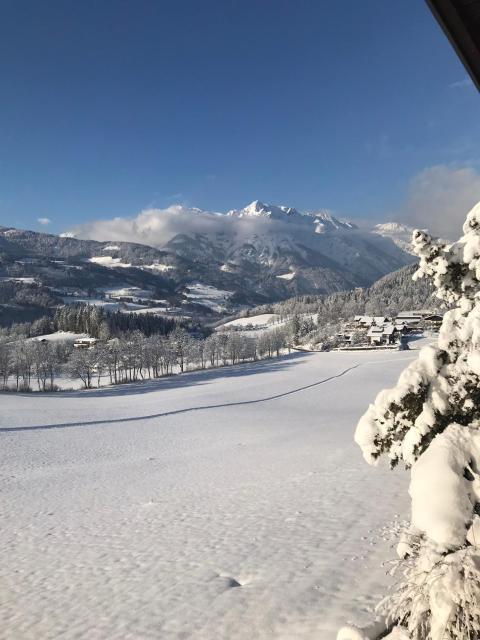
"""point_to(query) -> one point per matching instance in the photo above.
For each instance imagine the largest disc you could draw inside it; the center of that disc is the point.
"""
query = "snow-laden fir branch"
(431, 421)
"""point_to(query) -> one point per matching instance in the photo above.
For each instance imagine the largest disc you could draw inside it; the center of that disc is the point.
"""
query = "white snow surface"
(287, 276)
(108, 261)
(261, 320)
(157, 266)
(61, 336)
(230, 503)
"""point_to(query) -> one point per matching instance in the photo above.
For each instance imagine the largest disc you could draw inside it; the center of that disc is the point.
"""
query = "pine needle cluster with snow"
(431, 422)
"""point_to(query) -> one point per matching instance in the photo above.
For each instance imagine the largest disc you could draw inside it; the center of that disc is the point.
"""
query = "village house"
(411, 319)
(368, 321)
(380, 330)
(382, 335)
(433, 322)
(85, 343)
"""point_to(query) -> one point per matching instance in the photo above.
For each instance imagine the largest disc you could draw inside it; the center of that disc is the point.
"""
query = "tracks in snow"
(174, 412)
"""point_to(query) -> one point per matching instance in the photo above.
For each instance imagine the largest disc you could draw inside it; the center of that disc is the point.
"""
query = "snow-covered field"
(60, 336)
(108, 261)
(260, 321)
(223, 504)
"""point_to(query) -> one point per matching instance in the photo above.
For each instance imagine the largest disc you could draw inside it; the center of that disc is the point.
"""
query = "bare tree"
(83, 364)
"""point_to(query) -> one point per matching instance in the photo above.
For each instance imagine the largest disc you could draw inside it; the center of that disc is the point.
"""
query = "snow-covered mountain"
(325, 222)
(278, 248)
(322, 221)
(400, 234)
(261, 253)
(258, 209)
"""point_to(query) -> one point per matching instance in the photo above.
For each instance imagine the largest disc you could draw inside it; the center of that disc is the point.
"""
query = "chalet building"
(382, 335)
(85, 343)
(410, 318)
(368, 321)
(433, 322)
(380, 330)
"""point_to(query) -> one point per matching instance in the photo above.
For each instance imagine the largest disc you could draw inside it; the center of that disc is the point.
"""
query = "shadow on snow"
(183, 381)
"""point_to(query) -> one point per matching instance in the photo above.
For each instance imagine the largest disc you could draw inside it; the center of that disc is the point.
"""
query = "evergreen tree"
(431, 422)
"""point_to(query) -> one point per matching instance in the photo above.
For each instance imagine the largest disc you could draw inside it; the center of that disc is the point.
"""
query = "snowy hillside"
(230, 503)
(260, 254)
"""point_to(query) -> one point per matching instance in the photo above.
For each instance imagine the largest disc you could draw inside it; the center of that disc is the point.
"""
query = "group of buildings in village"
(381, 330)
(373, 331)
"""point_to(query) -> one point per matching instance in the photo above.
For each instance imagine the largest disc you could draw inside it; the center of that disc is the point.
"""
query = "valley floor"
(223, 504)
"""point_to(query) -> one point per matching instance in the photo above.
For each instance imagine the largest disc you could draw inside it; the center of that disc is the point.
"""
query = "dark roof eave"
(460, 20)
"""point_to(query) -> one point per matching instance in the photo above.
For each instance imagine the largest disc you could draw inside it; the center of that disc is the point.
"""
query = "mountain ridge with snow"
(259, 254)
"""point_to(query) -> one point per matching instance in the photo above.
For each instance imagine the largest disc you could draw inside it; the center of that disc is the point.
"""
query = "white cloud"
(461, 84)
(439, 199)
(155, 227)
(44, 221)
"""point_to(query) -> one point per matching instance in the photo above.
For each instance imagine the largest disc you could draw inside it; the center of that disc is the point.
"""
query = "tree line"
(388, 296)
(29, 364)
(94, 320)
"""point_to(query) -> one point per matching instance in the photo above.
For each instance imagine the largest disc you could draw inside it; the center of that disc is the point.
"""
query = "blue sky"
(108, 108)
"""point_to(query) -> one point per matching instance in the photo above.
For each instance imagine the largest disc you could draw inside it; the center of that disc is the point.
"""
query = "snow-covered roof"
(364, 319)
(381, 330)
(388, 329)
(410, 314)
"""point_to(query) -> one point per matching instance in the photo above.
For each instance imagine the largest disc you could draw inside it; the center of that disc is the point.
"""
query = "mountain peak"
(325, 221)
(259, 209)
(399, 233)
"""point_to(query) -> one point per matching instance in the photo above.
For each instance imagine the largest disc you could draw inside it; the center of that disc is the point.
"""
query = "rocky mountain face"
(258, 254)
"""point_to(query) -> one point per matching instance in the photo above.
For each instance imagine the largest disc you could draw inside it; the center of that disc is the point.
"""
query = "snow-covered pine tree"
(431, 422)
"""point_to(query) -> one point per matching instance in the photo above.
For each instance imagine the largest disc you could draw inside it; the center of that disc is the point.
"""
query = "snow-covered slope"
(259, 321)
(136, 513)
(324, 222)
